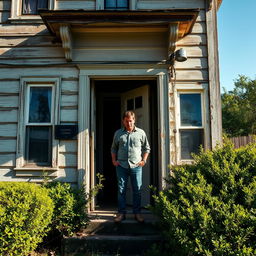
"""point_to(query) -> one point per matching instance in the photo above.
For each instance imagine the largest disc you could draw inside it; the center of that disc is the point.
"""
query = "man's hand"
(142, 163)
(115, 163)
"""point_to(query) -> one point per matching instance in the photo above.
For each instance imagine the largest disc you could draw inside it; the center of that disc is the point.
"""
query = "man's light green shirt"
(129, 147)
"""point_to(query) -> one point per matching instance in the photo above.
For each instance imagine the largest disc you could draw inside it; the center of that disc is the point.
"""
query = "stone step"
(104, 237)
(109, 245)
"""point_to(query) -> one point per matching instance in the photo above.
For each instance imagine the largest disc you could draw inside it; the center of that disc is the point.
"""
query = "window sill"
(50, 172)
(33, 19)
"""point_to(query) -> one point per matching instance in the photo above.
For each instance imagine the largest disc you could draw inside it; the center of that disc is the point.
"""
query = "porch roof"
(62, 23)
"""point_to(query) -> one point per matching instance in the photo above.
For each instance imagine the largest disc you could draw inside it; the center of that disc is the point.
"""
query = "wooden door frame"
(87, 74)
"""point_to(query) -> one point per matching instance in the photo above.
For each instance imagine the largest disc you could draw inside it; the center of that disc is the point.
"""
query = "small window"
(191, 130)
(116, 4)
(39, 126)
(33, 6)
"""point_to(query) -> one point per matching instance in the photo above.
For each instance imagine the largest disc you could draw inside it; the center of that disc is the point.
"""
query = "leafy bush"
(209, 208)
(69, 208)
(25, 212)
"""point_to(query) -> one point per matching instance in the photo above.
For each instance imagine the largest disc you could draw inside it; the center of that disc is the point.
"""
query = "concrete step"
(104, 237)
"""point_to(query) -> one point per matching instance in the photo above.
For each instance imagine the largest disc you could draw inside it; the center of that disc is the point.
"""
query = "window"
(39, 123)
(116, 4)
(38, 116)
(27, 10)
(32, 6)
(191, 127)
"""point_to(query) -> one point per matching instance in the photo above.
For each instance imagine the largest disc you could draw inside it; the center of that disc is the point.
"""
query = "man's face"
(128, 123)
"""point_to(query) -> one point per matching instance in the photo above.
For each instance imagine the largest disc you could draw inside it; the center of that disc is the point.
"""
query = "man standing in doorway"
(129, 151)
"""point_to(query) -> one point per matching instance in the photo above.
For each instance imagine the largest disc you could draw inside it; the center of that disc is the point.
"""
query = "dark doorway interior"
(108, 112)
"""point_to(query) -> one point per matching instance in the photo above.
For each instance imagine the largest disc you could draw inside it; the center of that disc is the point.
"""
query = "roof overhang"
(61, 23)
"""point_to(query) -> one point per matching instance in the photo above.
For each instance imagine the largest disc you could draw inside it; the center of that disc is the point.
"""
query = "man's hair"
(129, 114)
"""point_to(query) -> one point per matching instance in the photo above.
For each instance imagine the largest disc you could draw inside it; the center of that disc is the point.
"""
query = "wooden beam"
(66, 38)
(213, 70)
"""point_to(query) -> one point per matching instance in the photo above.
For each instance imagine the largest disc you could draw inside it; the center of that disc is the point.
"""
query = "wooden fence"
(243, 140)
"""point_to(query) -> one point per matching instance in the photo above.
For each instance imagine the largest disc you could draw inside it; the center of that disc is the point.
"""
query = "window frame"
(26, 84)
(117, 8)
(18, 16)
(100, 5)
(192, 89)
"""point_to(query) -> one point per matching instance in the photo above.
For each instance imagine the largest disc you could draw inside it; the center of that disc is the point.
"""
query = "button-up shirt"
(129, 147)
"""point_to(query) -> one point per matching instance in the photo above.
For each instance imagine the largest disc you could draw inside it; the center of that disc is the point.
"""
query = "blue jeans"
(136, 182)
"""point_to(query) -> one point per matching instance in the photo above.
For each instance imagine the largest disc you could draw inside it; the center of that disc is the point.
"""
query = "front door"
(137, 100)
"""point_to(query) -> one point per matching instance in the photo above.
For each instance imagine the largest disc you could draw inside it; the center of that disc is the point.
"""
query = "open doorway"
(112, 98)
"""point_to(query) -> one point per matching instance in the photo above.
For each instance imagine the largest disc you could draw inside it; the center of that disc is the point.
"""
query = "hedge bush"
(209, 208)
(25, 213)
(69, 213)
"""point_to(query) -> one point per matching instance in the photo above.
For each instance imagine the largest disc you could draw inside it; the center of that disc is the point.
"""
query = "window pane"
(122, 3)
(190, 141)
(32, 6)
(38, 146)
(190, 110)
(40, 105)
(116, 4)
(138, 102)
(110, 4)
(130, 104)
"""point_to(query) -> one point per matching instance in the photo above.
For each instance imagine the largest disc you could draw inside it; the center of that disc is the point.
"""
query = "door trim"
(109, 72)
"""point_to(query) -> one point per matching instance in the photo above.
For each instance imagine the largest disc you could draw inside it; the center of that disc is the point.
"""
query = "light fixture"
(179, 55)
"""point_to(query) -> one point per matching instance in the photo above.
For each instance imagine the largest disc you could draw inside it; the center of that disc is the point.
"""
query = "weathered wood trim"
(83, 136)
(172, 37)
(124, 72)
(24, 82)
(214, 84)
(66, 38)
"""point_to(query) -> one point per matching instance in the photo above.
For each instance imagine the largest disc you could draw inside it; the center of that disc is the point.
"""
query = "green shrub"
(69, 208)
(25, 212)
(209, 208)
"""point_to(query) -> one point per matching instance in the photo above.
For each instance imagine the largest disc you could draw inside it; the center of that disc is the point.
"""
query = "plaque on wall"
(66, 132)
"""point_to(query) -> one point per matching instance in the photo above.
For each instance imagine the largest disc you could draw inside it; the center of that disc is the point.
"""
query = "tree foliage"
(239, 108)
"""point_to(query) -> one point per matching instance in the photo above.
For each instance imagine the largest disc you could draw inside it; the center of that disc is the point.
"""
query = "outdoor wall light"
(179, 55)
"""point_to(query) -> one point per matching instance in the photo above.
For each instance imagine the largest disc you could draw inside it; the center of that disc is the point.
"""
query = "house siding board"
(29, 45)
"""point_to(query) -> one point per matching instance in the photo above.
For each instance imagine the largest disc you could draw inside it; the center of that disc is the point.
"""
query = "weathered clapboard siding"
(67, 160)
(68, 146)
(4, 16)
(8, 130)
(69, 101)
(68, 175)
(68, 116)
(21, 30)
(193, 63)
(67, 5)
(22, 41)
(31, 52)
(8, 115)
(191, 75)
(8, 86)
(17, 73)
(192, 40)
(69, 87)
(5, 5)
(9, 101)
(8, 145)
(7, 159)
(169, 4)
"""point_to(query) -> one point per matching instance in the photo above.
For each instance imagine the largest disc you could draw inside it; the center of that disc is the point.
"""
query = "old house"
(68, 69)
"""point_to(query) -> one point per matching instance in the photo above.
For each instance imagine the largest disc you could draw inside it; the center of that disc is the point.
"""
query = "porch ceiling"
(177, 23)
(78, 19)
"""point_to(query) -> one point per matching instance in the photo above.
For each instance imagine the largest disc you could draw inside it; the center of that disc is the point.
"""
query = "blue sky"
(237, 40)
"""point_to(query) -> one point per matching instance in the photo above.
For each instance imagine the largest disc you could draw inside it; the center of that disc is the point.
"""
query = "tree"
(239, 108)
